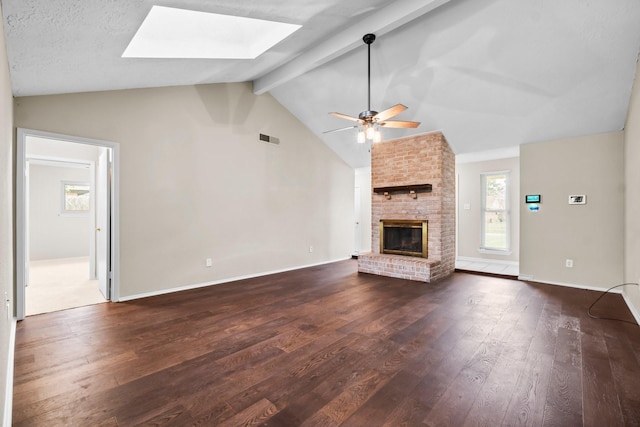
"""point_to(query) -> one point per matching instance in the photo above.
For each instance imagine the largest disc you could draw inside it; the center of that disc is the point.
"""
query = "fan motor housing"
(367, 115)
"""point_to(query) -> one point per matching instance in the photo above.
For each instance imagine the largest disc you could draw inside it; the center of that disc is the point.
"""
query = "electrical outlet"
(310, 249)
(568, 263)
(208, 262)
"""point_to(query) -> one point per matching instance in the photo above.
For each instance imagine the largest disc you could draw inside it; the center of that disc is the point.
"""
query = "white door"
(358, 232)
(103, 208)
(26, 224)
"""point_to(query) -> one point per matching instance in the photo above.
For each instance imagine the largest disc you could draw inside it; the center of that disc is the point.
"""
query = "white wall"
(363, 182)
(52, 234)
(195, 182)
(470, 193)
(632, 198)
(592, 234)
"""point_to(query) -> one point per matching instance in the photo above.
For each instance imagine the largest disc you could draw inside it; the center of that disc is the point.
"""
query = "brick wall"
(420, 159)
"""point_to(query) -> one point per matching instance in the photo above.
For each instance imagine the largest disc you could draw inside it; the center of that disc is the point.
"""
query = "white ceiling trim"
(380, 22)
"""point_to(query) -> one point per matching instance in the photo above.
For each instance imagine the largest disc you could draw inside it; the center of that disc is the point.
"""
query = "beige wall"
(196, 183)
(632, 207)
(363, 182)
(592, 234)
(470, 194)
(6, 213)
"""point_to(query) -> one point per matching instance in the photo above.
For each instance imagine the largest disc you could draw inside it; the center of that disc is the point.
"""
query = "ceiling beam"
(380, 22)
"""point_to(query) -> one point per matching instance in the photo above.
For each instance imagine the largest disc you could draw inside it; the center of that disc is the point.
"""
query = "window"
(76, 197)
(495, 212)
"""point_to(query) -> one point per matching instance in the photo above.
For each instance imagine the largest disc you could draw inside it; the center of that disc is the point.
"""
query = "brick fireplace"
(413, 179)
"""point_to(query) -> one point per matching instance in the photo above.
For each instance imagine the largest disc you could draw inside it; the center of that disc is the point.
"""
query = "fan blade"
(344, 116)
(389, 112)
(341, 129)
(399, 124)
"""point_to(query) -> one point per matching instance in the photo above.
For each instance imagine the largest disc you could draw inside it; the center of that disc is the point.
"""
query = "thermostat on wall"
(578, 200)
(532, 198)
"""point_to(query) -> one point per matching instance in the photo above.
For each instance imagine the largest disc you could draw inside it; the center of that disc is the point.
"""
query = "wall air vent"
(269, 139)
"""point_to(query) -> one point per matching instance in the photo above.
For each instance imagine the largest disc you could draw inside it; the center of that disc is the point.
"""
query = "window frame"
(507, 212)
(63, 199)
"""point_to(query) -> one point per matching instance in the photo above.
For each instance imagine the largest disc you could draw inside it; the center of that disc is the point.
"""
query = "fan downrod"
(368, 39)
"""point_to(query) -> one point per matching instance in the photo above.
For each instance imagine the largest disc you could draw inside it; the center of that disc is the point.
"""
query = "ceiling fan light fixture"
(377, 137)
(371, 132)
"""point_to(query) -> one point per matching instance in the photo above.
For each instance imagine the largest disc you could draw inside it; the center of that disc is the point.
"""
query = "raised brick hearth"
(420, 159)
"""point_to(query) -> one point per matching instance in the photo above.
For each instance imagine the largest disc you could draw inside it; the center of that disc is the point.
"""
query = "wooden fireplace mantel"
(403, 189)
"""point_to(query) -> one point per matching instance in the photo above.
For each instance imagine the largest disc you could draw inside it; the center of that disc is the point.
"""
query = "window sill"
(494, 251)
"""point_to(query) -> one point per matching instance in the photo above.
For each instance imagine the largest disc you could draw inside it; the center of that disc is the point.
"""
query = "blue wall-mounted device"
(532, 198)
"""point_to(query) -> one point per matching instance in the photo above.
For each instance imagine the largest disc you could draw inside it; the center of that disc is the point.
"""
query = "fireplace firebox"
(404, 237)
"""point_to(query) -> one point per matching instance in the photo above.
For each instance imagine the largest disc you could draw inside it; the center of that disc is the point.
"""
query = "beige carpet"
(60, 284)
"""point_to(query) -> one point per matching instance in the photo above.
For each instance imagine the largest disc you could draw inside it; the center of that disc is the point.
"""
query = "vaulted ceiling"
(489, 74)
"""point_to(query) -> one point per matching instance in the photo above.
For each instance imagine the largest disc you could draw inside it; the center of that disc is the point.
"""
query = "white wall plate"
(580, 199)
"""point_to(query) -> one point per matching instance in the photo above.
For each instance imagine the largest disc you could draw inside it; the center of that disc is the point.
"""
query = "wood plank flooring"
(326, 346)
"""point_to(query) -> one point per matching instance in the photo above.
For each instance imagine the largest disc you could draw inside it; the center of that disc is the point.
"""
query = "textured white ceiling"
(490, 74)
(63, 46)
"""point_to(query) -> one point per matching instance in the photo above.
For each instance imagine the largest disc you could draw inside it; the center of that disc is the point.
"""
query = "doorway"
(66, 206)
(60, 283)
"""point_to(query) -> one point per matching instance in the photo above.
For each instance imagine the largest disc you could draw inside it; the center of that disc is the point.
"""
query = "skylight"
(168, 32)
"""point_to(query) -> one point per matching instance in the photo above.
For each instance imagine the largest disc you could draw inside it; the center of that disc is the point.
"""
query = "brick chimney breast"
(419, 159)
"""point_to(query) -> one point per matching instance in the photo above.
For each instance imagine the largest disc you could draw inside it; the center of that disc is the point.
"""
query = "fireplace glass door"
(404, 237)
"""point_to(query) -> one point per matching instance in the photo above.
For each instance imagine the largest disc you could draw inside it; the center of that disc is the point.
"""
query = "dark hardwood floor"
(326, 346)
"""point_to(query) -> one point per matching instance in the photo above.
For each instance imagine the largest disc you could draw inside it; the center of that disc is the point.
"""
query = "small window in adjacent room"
(76, 197)
(495, 212)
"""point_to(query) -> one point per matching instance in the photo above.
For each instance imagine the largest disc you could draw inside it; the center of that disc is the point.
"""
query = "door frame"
(101, 226)
(357, 208)
(21, 212)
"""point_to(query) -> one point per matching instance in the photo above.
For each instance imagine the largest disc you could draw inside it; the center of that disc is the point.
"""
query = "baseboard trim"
(221, 281)
(526, 278)
(491, 260)
(619, 290)
(8, 397)
(632, 308)
(486, 273)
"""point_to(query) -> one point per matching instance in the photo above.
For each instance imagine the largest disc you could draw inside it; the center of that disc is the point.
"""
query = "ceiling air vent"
(269, 139)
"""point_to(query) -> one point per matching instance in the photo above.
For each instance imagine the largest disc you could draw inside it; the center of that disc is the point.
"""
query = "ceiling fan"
(370, 120)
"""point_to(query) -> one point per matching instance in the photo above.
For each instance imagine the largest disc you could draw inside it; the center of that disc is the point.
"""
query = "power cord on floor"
(603, 294)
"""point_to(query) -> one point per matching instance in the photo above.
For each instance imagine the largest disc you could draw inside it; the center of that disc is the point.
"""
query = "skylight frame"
(169, 32)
